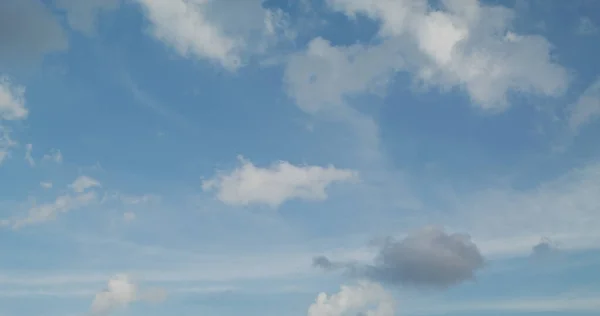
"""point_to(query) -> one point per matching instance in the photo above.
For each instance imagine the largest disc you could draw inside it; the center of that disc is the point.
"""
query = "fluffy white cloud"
(12, 100)
(587, 107)
(120, 292)
(274, 185)
(83, 15)
(83, 183)
(215, 30)
(463, 45)
(365, 298)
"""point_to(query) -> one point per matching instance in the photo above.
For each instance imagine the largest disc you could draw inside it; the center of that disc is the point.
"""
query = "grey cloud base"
(428, 257)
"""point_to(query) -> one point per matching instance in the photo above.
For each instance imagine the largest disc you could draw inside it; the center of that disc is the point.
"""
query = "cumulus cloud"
(428, 257)
(83, 183)
(463, 44)
(273, 185)
(214, 30)
(365, 298)
(83, 15)
(29, 30)
(12, 100)
(129, 216)
(587, 107)
(120, 292)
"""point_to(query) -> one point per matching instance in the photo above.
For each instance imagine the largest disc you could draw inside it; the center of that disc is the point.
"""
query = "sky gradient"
(310, 157)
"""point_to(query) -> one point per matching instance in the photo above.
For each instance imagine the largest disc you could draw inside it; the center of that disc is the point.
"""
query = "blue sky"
(197, 156)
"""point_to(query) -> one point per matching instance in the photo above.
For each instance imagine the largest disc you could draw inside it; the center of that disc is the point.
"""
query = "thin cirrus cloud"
(273, 185)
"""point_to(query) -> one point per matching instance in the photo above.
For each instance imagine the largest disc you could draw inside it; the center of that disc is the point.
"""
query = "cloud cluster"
(272, 186)
(365, 298)
(460, 44)
(428, 257)
(120, 292)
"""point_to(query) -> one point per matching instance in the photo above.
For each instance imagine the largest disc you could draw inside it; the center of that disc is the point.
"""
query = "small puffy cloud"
(12, 100)
(282, 181)
(219, 31)
(120, 292)
(365, 298)
(83, 15)
(29, 30)
(83, 183)
(461, 44)
(587, 107)
(54, 155)
(428, 257)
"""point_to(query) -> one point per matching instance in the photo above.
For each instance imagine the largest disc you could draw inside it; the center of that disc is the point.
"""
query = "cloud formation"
(365, 298)
(120, 292)
(428, 257)
(222, 32)
(478, 54)
(273, 185)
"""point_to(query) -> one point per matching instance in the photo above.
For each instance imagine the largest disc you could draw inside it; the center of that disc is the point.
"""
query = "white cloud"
(12, 100)
(120, 292)
(479, 53)
(276, 184)
(46, 185)
(365, 298)
(214, 30)
(83, 15)
(28, 157)
(54, 155)
(83, 183)
(62, 204)
(321, 77)
(587, 107)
